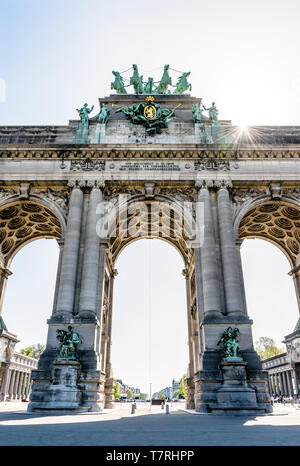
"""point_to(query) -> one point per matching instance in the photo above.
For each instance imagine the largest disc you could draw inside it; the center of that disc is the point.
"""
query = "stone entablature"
(20, 361)
(49, 152)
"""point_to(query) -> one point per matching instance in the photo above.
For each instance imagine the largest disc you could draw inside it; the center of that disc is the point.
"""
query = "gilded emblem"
(150, 110)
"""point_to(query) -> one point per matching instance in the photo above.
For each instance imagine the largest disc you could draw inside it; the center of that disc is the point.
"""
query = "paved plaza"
(147, 428)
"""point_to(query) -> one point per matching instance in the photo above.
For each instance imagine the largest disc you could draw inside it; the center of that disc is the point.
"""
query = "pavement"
(147, 427)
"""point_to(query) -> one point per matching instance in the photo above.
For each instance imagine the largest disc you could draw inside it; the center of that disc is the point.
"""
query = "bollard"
(167, 409)
(133, 408)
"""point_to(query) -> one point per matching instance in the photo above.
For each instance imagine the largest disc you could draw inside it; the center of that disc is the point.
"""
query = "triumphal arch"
(150, 162)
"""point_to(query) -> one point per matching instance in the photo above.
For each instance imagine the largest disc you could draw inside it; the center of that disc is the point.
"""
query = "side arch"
(276, 221)
(23, 221)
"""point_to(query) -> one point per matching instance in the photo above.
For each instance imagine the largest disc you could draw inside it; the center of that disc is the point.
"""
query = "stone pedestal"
(235, 396)
(190, 397)
(109, 393)
(63, 393)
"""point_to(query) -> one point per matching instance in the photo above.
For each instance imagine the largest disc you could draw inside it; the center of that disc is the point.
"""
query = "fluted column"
(198, 283)
(109, 382)
(65, 298)
(210, 277)
(19, 383)
(231, 272)
(5, 383)
(60, 243)
(16, 382)
(238, 243)
(109, 323)
(28, 385)
(4, 274)
(190, 330)
(89, 281)
(295, 274)
(289, 383)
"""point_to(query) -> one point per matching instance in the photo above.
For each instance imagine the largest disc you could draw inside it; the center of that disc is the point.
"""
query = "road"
(147, 428)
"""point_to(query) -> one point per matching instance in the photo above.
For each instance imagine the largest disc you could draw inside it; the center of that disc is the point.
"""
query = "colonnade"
(16, 378)
(283, 383)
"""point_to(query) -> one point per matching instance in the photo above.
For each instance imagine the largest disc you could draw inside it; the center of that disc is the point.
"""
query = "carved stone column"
(210, 277)
(66, 292)
(89, 280)
(109, 391)
(231, 272)
(4, 274)
(238, 243)
(295, 274)
(190, 401)
(60, 243)
(5, 384)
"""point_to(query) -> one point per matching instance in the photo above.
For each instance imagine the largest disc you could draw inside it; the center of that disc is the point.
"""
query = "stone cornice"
(146, 152)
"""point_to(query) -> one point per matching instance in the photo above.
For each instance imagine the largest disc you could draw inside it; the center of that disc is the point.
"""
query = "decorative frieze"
(59, 196)
(87, 165)
(185, 152)
(213, 165)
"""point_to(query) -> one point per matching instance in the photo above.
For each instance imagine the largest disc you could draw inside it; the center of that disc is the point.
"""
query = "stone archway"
(85, 288)
(135, 218)
(23, 221)
(276, 221)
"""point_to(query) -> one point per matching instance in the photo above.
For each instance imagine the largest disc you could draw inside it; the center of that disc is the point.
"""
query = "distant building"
(15, 368)
(123, 390)
(284, 369)
(168, 391)
(175, 385)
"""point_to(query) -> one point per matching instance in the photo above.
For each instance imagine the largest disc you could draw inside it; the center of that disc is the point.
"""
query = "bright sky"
(57, 55)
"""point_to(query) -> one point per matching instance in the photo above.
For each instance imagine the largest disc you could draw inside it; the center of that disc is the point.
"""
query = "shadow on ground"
(155, 429)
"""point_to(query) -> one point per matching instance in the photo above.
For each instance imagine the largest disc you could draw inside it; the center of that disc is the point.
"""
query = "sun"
(243, 127)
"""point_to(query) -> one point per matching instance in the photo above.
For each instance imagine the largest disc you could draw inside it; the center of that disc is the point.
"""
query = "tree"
(182, 388)
(143, 396)
(176, 394)
(129, 394)
(266, 348)
(33, 351)
(161, 396)
(117, 394)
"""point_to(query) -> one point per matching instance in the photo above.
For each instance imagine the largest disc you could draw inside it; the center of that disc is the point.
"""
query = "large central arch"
(131, 218)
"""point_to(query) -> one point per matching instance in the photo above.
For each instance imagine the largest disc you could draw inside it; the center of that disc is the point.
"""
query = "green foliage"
(33, 351)
(143, 396)
(129, 394)
(161, 396)
(183, 388)
(176, 394)
(266, 348)
(117, 394)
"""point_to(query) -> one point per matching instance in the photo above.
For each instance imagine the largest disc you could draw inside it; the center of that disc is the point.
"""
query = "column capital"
(239, 242)
(5, 273)
(86, 184)
(295, 272)
(204, 184)
(223, 184)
